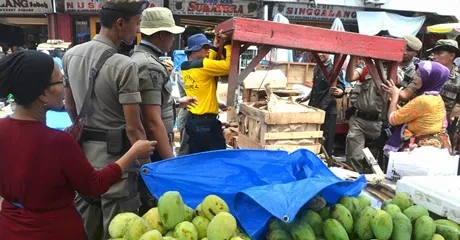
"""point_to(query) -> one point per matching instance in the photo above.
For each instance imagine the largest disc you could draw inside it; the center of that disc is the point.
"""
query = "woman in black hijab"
(41, 168)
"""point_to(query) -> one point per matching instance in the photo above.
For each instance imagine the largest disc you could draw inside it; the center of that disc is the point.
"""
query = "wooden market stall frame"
(267, 35)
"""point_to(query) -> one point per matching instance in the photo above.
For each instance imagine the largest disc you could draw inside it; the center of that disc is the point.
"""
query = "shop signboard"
(317, 12)
(216, 8)
(91, 6)
(25, 6)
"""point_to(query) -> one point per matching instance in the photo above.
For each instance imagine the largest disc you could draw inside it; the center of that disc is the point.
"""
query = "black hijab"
(25, 74)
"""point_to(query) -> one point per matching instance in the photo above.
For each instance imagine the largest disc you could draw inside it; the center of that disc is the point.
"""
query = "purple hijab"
(434, 75)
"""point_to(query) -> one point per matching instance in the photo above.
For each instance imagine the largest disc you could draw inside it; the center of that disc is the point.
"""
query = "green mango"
(391, 209)
(424, 228)
(362, 225)
(348, 203)
(343, 216)
(416, 211)
(447, 222)
(438, 237)
(333, 230)
(402, 227)
(279, 234)
(316, 203)
(186, 231)
(382, 225)
(171, 209)
(325, 213)
(403, 201)
(222, 226)
(275, 224)
(301, 230)
(449, 233)
(364, 200)
(389, 201)
(314, 220)
(212, 205)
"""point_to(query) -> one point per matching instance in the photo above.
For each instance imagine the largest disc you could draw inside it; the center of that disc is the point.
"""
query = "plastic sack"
(256, 184)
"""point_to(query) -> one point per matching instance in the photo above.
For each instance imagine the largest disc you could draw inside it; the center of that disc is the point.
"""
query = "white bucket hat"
(157, 19)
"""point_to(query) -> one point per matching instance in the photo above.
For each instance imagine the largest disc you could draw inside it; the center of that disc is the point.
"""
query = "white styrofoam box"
(439, 194)
(422, 161)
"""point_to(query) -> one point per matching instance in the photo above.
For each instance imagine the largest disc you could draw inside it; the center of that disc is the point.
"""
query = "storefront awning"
(371, 23)
(440, 7)
(20, 21)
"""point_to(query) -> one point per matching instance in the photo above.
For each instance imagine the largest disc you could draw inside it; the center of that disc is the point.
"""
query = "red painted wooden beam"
(310, 38)
(320, 64)
(338, 63)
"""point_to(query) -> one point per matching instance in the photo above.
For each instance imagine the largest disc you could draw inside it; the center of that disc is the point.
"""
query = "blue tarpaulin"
(256, 184)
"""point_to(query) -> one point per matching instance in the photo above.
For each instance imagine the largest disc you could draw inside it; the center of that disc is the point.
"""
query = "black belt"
(368, 116)
(98, 136)
(203, 116)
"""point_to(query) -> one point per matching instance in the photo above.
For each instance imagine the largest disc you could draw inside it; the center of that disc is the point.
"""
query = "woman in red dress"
(41, 168)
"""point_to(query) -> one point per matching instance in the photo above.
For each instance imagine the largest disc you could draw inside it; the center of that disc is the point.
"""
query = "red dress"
(41, 168)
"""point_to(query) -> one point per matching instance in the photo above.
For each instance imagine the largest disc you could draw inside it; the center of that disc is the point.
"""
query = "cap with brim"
(196, 47)
(158, 19)
(446, 45)
(197, 42)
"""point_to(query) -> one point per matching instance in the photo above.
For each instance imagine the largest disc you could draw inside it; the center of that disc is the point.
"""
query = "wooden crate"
(297, 73)
(256, 95)
(279, 130)
(342, 105)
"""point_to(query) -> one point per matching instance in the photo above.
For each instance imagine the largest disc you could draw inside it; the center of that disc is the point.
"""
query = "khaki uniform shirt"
(368, 99)
(450, 92)
(367, 95)
(117, 84)
(154, 82)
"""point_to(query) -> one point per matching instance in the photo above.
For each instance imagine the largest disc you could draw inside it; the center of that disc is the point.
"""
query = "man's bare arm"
(352, 75)
(70, 106)
(156, 129)
(134, 128)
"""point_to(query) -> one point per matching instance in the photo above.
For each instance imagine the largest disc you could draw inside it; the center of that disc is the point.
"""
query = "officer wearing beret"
(445, 51)
(113, 118)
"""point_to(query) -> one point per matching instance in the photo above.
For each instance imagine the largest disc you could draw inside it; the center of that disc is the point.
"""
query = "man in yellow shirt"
(198, 73)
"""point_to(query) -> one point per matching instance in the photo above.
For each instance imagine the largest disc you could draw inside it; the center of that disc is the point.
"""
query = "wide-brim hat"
(197, 42)
(158, 19)
(446, 45)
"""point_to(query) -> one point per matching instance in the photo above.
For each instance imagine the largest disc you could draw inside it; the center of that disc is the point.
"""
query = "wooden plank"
(245, 142)
(372, 162)
(293, 135)
(233, 79)
(263, 51)
(300, 117)
(322, 40)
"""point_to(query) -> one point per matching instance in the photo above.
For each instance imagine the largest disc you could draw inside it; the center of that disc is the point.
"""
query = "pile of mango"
(353, 218)
(174, 220)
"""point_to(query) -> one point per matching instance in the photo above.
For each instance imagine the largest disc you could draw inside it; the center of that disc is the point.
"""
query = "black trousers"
(328, 129)
(205, 133)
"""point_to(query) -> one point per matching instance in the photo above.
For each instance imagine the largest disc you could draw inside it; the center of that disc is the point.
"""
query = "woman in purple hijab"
(423, 119)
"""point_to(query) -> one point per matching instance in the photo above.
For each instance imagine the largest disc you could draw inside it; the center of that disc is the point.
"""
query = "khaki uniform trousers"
(359, 131)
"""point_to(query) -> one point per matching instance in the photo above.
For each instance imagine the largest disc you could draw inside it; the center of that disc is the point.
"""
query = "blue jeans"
(205, 133)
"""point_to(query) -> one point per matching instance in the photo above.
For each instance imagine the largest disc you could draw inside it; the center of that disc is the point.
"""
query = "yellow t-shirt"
(424, 115)
(198, 76)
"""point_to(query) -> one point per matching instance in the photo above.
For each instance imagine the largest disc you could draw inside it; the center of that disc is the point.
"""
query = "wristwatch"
(176, 102)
